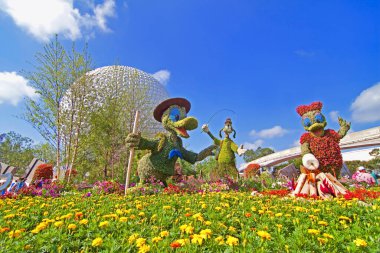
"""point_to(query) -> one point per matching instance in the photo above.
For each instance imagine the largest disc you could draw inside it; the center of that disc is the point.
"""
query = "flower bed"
(201, 222)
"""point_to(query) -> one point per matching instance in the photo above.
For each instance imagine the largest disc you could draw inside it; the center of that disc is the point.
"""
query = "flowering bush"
(107, 187)
(43, 188)
(251, 170)
(43, 171)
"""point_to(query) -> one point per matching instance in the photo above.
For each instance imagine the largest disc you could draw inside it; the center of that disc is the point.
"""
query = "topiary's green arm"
(305, 148)
(344, 127)
(216, 140)
(192, 157)
(150, 144)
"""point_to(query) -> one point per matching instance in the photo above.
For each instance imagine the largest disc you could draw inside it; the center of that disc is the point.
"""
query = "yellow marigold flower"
(164, 233)
(123, 219)
(313, 231)
(139, 206)
(278, 214)
(156, 239)
(133, 238)
(232, 241)
(322, 240)
(103, 224)
(323, 223)
(220, 240)
(83, 222)
(288, 215)
(119, 212)
(140, 242)
(58, 224)
(198, 216)
(9, 216)
(167, 207)
(264, 234)
(208, 223)
(206, 233)
(218, 208)
(328, 236)
(46, 213)
(144, 249)
(232, 229)
(360, 242)
(15, 233)
(279, 226)
(189, 229)
(204, 206)
(132, 216)
(253, 209)
(141, 214)
(35, 231)
(183, 228)
(72, 226)
(197, 239)
(261, 211)
(183, 242)
(344, 218)
(97, 242)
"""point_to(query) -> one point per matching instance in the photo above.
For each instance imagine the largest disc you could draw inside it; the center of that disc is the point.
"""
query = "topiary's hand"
(205, 128)
(133, 140)
(241, 150)
(344, 127)
(310, 162)
(343, 123)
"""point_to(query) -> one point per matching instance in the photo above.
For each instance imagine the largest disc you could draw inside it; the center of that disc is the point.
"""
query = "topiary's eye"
(319, 118)
(306, 122)
(174, 114)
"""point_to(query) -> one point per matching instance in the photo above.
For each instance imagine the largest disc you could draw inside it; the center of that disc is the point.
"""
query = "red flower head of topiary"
(315, 106)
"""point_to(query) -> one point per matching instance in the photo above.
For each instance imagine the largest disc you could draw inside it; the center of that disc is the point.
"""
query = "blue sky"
(260, 59)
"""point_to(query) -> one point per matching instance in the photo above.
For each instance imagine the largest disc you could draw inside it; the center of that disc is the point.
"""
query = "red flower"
(315, 106)
(326, 149)
(175, 245)
(248, 215)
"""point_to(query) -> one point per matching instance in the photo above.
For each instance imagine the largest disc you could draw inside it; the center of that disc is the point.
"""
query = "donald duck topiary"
(167, 147)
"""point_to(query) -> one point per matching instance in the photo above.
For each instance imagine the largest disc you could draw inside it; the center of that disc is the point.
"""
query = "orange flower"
(187, 214)
(175, 245)
(248, 215)
(78, 215)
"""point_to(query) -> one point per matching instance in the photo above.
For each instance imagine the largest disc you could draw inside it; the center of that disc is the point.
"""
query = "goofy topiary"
(166, 148)
(226, 154)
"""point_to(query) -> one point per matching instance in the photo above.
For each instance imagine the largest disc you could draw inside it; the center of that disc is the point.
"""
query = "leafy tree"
(251, 154)
(205, 167)
(54, 72)
(16, 150)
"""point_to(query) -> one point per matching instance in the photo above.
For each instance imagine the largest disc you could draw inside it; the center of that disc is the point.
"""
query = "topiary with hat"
(167, 147)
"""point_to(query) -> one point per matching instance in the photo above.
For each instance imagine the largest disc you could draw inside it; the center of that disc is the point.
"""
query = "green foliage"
(205, 167)
(251, 154)
(16, 150)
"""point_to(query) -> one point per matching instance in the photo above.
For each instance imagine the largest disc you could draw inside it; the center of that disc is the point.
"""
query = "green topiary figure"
(166, 148)
(226, 154)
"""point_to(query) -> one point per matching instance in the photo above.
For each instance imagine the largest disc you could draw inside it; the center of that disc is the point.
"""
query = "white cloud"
(45, 18)
(254, 146)
(296, 143)
(304, 53)
(14, 87)
(334, 116)
(162, 76)
(276, 131)
(366, 106)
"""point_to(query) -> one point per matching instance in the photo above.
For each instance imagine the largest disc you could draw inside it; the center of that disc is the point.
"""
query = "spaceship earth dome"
(136, 89)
